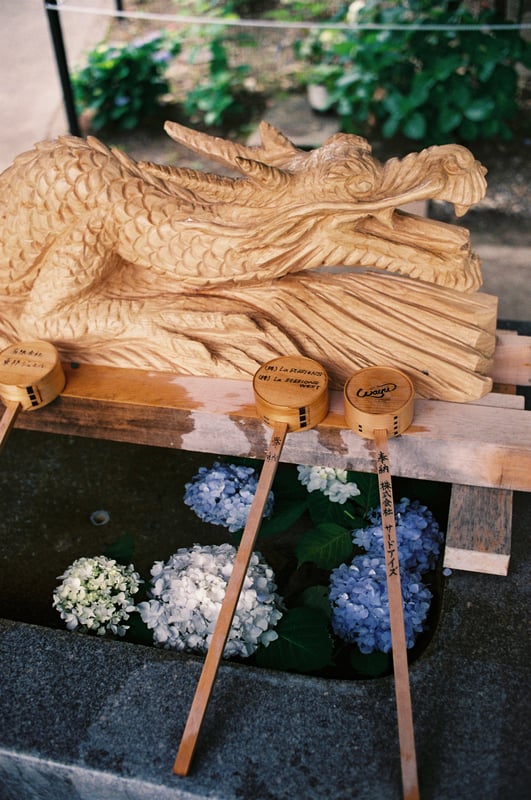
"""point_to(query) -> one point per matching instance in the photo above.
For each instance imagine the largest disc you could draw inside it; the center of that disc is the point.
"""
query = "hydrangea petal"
(360, 604)
(96, 595)
(186, 595)
(223, 494)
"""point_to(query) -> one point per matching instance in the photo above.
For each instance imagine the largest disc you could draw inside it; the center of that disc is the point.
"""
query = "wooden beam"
(478, 445)
(512, 359)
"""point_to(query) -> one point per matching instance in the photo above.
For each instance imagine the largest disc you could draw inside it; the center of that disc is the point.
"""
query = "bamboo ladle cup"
(291, 394)
(31, 376)
(379, 403)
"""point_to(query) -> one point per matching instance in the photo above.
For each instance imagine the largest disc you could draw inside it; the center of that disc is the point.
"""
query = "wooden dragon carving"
(137, 264)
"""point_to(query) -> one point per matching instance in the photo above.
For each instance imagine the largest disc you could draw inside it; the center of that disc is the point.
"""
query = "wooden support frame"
(485, 445)
(480, 519)
(479, 529)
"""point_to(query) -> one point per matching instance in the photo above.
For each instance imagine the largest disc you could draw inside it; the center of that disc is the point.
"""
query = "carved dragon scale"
(138, 264)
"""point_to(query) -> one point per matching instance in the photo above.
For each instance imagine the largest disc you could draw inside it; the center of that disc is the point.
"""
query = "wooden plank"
(512, 359)
(479, 530)
(478, 536)
(452, 442)
(505, 399)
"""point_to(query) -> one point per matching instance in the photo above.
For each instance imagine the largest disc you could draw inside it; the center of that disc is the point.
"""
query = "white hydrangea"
(332, 482)
(186, 595)
(96, 594)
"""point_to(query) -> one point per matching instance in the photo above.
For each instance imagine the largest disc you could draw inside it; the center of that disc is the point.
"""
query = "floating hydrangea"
(223, 495)
(417, 532)
(96, 595)
(332, 482)
(360, 604)
(186, 595)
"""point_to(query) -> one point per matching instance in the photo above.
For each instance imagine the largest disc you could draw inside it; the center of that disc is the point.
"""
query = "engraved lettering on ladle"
(376, 391)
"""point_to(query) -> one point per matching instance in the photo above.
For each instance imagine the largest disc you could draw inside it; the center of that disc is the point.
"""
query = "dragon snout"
(464, 181)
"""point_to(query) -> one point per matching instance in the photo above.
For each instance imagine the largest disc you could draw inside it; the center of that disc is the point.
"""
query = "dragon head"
(461, 176)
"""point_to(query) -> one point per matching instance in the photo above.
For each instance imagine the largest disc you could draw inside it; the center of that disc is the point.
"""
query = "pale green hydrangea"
(96, 595)
(330, 481)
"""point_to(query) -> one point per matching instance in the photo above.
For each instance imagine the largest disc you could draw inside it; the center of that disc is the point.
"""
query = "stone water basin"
(90, 718)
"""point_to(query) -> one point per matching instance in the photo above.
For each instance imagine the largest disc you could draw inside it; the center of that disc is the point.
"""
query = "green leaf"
(369, 497)
(442, 68)
(322, 509)
(394, 103)
(282, 519)
(304, 643)
(390, 127)
(317, 597)
(372, 664)
(490, 128)
(129, 122)
(479, 109)
(353, 76)
(485, 71)
(327, 546)
(449, 119)
(420, 89)
(469, 129)
(460, 94)
(415, 126)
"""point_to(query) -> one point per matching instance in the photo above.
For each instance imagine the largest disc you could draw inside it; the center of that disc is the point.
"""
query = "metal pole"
(62, 65)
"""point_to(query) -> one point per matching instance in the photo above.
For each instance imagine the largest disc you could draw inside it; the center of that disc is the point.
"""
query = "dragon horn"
(276, 149)
(272, 177)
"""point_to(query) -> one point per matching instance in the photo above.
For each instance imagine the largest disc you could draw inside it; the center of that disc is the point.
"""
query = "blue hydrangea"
(223, 495)
(360, 604)
(417, 532)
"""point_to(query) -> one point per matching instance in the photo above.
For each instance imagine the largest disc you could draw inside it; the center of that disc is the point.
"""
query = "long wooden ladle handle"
(8, 420)
(379, 402)
(221, 632)
(406, 734)
(291, 394)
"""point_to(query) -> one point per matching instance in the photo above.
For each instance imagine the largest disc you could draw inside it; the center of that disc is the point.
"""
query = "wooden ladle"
(31, 376)
(379, 402)
(291, 394)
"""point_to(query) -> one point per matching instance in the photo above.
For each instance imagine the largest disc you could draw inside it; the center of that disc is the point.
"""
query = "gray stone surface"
(31, 104)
